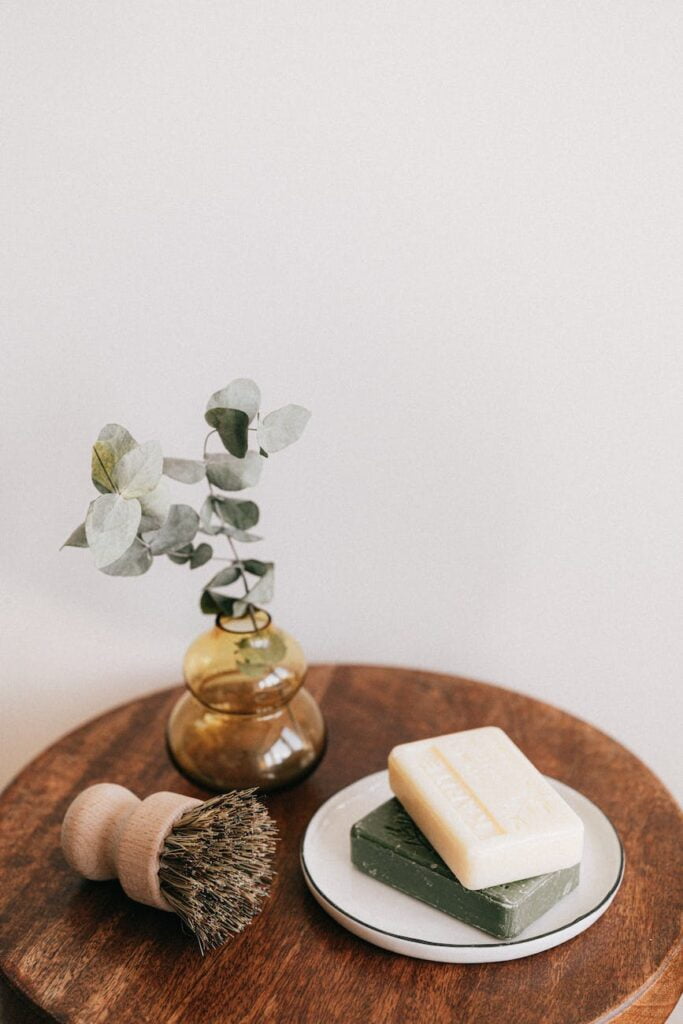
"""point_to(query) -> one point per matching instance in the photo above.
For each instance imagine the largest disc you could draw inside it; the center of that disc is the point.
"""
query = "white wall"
(451, 229)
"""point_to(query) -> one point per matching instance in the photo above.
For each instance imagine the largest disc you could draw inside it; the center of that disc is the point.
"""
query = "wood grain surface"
(87, 955)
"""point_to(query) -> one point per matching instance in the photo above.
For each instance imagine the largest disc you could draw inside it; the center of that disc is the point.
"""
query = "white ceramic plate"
(397, 922)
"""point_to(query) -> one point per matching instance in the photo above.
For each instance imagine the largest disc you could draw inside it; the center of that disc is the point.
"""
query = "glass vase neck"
(235, 669)
(254, 621)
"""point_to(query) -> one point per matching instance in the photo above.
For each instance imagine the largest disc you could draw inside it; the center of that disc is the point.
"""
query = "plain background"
(454, 231)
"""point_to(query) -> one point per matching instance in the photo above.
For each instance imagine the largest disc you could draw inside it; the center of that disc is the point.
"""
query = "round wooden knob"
(108, 832)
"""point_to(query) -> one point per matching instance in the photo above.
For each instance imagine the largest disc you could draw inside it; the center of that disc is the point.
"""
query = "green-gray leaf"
(240, 535)
(202, 554)
(206, 516)
(260, 593)
(232, 426)
(207, 604)
(139, 471)
(241, 393)
(77, 539)
(268, 645)
(182, 555)
(110, 527)
(223, 578)
(207, 524)
(179, 528)
(214, 603)
(259, 653)
(156, 504)
(133, 562)
(240, 514)
(282, 427)
(257, 568)
(187, 471)
(113, 441)
(148, 523)
(231, 474)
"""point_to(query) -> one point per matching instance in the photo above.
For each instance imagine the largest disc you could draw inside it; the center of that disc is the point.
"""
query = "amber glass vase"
(246, 718)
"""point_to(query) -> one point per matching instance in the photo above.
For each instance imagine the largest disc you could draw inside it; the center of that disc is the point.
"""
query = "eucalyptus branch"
(238, 565)
(235, 560)
(131, 522)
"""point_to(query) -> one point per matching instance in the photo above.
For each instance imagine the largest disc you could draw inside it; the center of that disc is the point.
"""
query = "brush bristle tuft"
(216, 865)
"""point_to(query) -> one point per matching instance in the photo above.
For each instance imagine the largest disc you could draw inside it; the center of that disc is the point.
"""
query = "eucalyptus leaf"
(179, 528)
(241, 393)
(148, 523)
(206, 516)
(186, 471)
(260, 653)
(207, 604)
(156, 504)
(257, 568)
(223, 578)
(113, 442)
(283, 427)
(260, 593)
(231, 474)
(133, 562)
(241, 535)
(240, 514)
(207, 525)
(181, 556)
(266, 644)
(232, 426)
(214, 603)
(202, 554)
(110, 527)
(77, 539)
(139, 471)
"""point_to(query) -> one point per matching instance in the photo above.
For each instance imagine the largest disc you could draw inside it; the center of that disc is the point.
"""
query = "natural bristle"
(215, 866)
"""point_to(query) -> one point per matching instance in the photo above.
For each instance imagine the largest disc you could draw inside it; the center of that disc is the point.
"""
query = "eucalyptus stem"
(240, 568)
(236, 561)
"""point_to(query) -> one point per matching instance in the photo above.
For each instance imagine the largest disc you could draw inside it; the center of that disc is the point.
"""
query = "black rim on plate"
(473, 945)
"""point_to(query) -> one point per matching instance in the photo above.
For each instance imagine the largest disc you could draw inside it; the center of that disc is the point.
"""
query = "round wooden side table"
(84, 954)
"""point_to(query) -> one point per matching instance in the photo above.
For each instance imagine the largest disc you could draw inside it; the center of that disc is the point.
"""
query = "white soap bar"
(485, 808)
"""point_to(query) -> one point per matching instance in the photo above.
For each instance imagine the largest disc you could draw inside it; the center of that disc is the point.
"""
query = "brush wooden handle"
(108, 832)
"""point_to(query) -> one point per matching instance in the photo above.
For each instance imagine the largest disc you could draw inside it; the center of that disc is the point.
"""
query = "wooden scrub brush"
(210, 863)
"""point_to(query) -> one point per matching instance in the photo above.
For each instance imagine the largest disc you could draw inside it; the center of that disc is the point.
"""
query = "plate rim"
(466, 945)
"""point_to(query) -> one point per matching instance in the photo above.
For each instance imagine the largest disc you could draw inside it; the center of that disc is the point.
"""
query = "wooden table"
(86, 954)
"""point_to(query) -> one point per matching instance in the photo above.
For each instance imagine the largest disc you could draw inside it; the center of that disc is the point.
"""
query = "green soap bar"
(387, 845)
